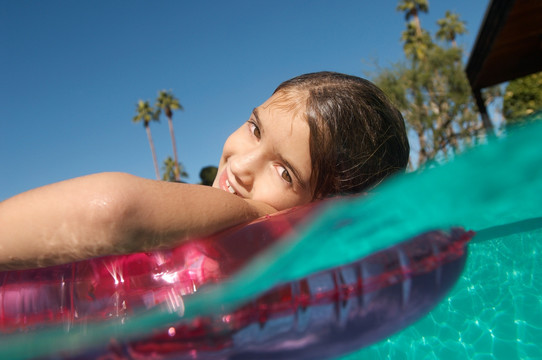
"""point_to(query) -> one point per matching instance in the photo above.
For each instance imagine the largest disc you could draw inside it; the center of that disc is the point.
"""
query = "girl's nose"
(244, 167)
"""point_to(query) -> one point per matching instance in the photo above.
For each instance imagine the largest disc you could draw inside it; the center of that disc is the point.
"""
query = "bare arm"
(111, 213)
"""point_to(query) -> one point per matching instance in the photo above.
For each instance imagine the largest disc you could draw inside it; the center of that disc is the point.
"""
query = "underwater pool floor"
(494, 311)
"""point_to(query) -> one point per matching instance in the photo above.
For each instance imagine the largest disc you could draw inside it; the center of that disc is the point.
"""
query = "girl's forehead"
(294, 101)
(286, 132)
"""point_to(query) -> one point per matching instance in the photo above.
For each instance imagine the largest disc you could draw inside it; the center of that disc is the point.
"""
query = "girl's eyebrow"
(289, 165)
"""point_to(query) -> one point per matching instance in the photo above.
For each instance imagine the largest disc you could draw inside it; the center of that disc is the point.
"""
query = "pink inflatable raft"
(324, 315)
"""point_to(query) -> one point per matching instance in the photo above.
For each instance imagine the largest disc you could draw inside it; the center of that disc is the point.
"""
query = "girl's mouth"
(224, 183)
(230, 188)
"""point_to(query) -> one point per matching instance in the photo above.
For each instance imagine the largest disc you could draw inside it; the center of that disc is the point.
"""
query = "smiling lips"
(230, 188)
(225, 183)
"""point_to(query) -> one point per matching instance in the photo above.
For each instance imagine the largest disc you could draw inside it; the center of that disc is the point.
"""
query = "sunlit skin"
(265, 164)
(265, 167)
(268, 158)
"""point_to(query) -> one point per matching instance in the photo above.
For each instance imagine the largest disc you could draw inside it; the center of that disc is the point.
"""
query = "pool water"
(495, 309)
(494, 312)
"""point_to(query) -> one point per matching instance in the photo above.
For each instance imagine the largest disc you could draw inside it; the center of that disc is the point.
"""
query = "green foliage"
(413, 7)
(522, 97)
(170, 170)
(145, 112)
(167, 102)
(207, 175)
(430, 87)
(449, 27)
(416, 43)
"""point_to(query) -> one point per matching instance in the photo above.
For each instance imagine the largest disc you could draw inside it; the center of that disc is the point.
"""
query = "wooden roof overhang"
(508, 46)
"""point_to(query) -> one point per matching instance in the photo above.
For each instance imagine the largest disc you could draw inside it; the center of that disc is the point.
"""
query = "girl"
(318, 135)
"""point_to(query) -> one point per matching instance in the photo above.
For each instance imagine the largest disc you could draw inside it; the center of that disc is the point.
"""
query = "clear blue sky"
(72, 72)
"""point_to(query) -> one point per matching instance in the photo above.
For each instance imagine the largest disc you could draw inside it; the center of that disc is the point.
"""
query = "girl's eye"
(254, 129)
(285, 175)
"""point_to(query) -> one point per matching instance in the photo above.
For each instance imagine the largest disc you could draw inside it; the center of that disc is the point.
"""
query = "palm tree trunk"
(151, 143)
(172, 133)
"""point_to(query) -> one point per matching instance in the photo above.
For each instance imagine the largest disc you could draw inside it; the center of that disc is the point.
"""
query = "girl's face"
(268, 158)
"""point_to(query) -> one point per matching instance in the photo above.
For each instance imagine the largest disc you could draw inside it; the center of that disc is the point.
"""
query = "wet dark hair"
(357, 137)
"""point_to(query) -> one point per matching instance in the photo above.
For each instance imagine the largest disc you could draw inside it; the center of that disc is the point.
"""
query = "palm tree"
(170, 170)
(412, 8)
(414, 45)
(167, 102)
(449, 27)
(145, 113)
